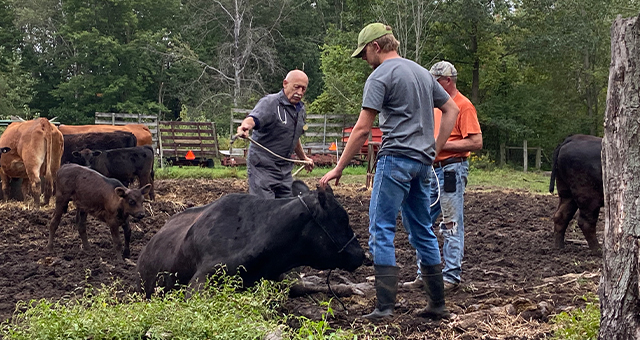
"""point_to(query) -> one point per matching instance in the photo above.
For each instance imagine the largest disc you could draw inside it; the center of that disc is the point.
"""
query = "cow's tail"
(48, 158)
(554, 166)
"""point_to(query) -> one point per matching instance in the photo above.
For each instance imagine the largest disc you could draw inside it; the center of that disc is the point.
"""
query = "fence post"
(159, 136)
(526, 155)
(503, 154)
(538, 157)
(113, 118)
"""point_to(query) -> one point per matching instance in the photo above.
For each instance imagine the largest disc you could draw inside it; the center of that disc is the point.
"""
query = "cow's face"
(333, 239)
(132, 200)
(86, 155)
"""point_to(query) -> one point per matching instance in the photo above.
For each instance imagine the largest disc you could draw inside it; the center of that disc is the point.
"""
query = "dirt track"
(513, 276)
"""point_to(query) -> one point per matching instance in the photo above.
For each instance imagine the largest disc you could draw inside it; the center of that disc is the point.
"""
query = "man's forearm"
(471, 143)
(299, 150)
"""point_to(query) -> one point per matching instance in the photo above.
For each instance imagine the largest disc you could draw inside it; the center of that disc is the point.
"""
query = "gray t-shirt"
(405, 94)
(279, 125)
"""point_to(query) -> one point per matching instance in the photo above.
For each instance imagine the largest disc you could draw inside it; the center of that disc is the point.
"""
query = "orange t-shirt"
(466, 124)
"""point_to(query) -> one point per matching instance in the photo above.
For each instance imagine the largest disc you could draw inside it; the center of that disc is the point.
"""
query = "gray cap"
(443, 69)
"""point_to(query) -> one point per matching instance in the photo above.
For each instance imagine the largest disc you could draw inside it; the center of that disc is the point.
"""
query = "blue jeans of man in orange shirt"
(451, 205)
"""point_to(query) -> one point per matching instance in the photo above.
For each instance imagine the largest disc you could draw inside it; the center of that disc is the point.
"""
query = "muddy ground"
(514, 279)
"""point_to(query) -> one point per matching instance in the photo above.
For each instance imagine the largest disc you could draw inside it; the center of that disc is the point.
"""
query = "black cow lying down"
(266, 237)
(577, 172)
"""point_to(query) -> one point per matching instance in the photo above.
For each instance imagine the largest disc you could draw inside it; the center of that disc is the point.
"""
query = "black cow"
(104, 198)
(122, 164)
(266, 237)
(577, 171)
(95, 141)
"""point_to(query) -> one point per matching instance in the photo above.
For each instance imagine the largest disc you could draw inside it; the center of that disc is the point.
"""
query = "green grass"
(532, 181)
(579, 324)
(351, 174)
(219, 311)
(504, 178)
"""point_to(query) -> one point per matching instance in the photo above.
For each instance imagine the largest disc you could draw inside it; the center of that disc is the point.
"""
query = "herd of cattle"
(93, 165)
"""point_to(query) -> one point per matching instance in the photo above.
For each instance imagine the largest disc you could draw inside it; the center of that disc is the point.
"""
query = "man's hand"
(335, 173)
(310, 164)
(246, 125)
(243, 131)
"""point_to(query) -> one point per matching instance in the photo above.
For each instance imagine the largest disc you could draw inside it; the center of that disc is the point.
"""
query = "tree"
(410, 21)
(344, 77)
(619, 293)
(245, 33)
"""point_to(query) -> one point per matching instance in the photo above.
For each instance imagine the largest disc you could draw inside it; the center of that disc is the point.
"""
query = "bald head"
(295, 85)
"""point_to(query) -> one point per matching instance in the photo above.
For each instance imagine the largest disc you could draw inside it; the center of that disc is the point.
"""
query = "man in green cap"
(405, 94)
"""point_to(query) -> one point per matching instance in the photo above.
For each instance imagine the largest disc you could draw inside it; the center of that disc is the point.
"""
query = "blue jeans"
(401, 184)
(451, 205)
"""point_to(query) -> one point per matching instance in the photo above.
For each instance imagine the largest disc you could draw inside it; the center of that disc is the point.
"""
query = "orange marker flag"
(190, 156)
(333, 147)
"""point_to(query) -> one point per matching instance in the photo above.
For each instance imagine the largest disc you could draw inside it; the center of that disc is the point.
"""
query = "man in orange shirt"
(452, 169)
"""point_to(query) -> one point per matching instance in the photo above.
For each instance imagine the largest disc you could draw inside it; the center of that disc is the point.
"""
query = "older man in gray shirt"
(278, 121)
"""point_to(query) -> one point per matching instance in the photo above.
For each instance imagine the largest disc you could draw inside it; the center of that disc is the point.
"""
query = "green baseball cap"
(368, 34)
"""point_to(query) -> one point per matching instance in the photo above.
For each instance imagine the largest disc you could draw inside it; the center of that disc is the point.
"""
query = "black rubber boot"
(434, 287)
(386, 291)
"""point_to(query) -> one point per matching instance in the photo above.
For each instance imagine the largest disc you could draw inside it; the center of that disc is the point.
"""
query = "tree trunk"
(475, 72)
(619, 291)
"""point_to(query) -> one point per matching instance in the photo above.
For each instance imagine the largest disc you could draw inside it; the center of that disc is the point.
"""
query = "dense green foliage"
(536, 70)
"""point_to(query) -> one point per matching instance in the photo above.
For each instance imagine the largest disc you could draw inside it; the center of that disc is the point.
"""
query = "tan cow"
(35, 150)
(141, 131)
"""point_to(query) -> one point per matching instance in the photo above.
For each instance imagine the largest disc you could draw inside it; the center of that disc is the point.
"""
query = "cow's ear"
(5, 150)
(299, 188)
(96, 153)
(145, 189)
(327, 188)
(120, 191)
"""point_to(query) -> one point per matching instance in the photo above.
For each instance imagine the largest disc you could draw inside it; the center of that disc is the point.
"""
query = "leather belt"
(449, 161)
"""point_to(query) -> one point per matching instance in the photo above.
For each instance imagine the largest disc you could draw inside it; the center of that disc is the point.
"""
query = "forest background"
(535, 69)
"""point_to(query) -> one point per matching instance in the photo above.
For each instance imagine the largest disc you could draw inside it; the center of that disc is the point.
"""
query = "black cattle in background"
(95, 141)
(577, 173)
(123, 164)
(252, 236)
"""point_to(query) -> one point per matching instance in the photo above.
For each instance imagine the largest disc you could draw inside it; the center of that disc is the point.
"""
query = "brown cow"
(36, 148)
(104, 198)
(141, 131)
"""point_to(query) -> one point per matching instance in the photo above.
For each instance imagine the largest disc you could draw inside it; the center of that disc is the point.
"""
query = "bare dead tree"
(410, 22)
(247, 50)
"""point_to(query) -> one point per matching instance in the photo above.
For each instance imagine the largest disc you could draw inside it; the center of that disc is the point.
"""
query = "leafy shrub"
(579, 324)
(481, 161)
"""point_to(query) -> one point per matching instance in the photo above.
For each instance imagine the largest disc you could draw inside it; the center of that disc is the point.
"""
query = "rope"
(437, 182)
(334, 293)
(297, 161)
